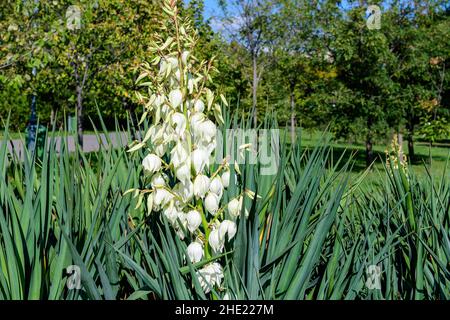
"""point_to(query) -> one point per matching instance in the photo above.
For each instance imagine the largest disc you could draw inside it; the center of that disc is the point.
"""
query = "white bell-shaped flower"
(216, 186)
(171, 213)
(200, 159)
(212, 203)
(207, 130)
(185, 190)
(208, 145)
(158, 180)
(194, 219)
(173, 62)
(195, 120)
(162, 197)
(179, 121)
(163, 66)
(175, 98)
(151, 163)
(210, 276)
(215, 241)
(159, 100)
(227, 227)
(195, 252)
(199, 106)
(179, 155)
(234, 207)
(201, 185)
(183, 172)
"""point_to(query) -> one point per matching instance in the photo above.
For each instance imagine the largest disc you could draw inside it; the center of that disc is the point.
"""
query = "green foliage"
(310, 234)
(96, 63)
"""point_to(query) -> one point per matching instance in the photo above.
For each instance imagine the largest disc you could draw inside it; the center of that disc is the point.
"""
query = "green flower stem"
(205, 226)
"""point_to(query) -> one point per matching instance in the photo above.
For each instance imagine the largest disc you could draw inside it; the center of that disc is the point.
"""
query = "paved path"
(90, 143)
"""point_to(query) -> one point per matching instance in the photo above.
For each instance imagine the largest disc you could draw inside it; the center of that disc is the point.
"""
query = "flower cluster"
(395, 155)
(180, 144)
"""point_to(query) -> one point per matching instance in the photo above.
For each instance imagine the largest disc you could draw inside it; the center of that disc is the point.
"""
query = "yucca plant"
(63, 210)
(310, 233)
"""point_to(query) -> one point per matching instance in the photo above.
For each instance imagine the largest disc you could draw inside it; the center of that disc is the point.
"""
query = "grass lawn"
(435, 164)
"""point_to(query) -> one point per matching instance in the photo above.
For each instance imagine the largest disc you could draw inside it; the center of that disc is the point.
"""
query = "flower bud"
(184, 57)
(201, 185)
(227, 227)
(212, 203)
(177, 75)
(151, 163)
(194, 219)
(226, 178)
(160, 150)
(173, 61)
(195, 252)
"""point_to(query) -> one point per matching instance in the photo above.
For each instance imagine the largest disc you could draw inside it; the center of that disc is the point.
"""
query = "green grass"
(434, 158)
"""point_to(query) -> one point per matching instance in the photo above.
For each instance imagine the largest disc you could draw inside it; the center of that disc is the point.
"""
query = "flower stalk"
(180, 106)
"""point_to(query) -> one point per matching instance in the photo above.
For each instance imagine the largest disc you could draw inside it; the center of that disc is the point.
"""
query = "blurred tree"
(417, 34)
(249, 23)
(91, 50)
(363, 65)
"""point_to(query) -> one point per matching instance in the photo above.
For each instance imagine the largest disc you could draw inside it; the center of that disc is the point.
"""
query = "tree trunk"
(369, 151)
(254, 90)
(80, 115)
(411, 147)
(52, 117)
(292, 117)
